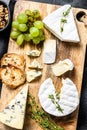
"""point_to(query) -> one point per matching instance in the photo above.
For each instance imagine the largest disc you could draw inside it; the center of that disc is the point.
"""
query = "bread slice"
(13, 59)
(12, 76)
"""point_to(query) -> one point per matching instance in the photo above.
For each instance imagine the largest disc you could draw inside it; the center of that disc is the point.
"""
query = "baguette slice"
(14, 60)
(12, 76)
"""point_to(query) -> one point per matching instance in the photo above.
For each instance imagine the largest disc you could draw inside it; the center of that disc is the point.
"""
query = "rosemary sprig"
(55, 100)
(63, 19)
(66, 13)
(40, 116)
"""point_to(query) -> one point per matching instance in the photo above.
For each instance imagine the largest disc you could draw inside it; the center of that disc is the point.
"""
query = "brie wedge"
(62, 66)
(13, 114)
(49, 54)
(53, 23)
(68, 100)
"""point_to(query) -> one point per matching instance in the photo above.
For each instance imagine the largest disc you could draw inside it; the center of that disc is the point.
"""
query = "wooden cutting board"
(75, 52)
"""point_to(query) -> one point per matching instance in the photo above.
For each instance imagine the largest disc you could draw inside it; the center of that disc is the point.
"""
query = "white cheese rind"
(49, 53)
(13, 114)
(69, 99)
(52, 23)
(62, 67)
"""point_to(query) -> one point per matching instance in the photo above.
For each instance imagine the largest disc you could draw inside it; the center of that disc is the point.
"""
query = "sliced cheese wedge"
(35, 65)
(33, 53)
(53, 23)
(13, 114)
(62, 66)
(49, 54)
(32, 75)
(68, 100)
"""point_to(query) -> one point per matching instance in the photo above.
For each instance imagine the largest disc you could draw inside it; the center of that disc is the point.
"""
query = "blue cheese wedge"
(68, 98)
(32, 75)
(49, 53)
(35, 65)
(13, 114)
(33, 53)
(62, 66)
(62, 24)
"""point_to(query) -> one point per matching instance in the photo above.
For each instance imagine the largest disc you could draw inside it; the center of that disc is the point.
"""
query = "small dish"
(4, 15)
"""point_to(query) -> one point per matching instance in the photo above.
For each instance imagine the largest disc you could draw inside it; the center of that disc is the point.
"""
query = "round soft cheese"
(68, 97)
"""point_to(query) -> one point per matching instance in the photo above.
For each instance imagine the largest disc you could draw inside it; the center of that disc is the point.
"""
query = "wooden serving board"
(75, 52)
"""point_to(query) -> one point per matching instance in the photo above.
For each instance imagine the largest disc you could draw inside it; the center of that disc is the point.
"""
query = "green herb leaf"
(66, 13)
(63, 19)
(51, 96)
(40, 116)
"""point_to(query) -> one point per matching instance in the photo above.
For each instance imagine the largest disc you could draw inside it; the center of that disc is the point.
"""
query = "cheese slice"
(33, 53)
(33, 74)
(49, 54)
(13, 114)
(35, 65)
(62, 66)
(53, 23)
(68, 100)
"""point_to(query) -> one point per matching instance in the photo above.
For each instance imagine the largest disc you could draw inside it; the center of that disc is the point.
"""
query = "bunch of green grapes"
(28, 27)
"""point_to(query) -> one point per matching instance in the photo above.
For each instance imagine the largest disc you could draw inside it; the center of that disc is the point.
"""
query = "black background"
(4, 38)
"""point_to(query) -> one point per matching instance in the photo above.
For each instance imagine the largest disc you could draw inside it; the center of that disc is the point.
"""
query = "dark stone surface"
(4, 37)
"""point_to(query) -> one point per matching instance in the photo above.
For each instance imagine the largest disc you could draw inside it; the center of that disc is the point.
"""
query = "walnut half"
(3, 16)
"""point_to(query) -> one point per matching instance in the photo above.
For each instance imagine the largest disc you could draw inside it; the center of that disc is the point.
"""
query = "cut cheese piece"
(49, 54)
(33, 74)
(68, 100)
(33, 53)
(13, 114)
(35, 65)
(62, 66)
(53, 23)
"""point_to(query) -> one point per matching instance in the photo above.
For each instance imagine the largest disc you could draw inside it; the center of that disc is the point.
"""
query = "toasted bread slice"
(13, 59)
(12, 76)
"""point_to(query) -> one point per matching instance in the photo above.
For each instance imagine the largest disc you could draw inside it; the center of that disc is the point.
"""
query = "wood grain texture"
(75, 52)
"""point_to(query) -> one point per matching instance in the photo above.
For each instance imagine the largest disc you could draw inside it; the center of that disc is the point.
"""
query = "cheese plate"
(64, 50)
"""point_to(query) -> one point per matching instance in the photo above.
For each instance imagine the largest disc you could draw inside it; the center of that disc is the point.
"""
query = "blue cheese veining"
(32, 75)
(13, 114)
(33, 53)
(35, 65)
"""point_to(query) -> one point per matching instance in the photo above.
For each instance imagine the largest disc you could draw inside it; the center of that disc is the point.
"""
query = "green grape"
(27, 37)
(23, 27)
(22, 18)
(30, 19)
(38, 24)
(29, 12)
(36, 40)
(42, 38)
(14, 34)
(41, 35)
(15, 24)
(36, 13)
(34, 31)
(20, 39)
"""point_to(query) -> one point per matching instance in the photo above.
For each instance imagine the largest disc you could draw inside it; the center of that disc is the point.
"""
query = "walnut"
(3, 16)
